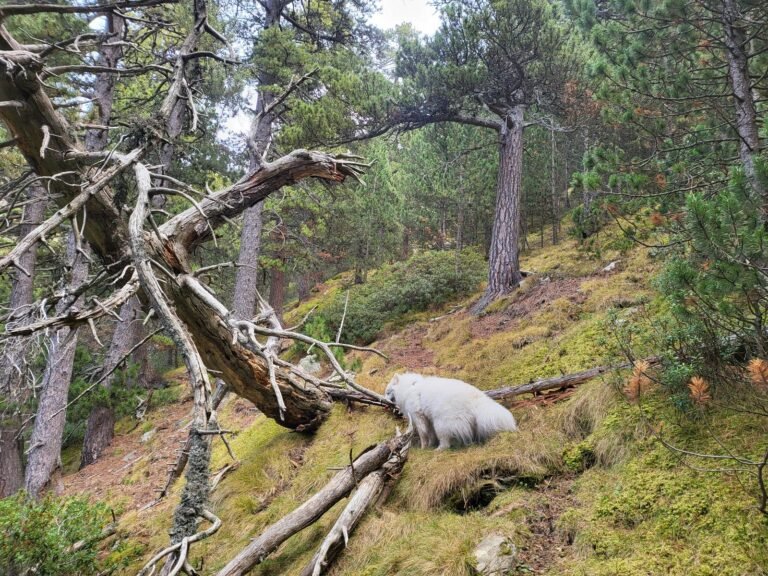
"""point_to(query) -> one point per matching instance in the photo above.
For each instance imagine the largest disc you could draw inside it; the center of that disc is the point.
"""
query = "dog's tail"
(492, 417)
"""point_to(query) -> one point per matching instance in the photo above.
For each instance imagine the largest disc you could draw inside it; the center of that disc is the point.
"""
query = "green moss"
(652, 513)
(579, 457)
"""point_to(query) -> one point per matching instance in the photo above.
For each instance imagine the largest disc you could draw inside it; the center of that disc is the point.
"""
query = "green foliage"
(38, 536)
(716, 290)
(317, 327)
(120, 396)
(423, 282)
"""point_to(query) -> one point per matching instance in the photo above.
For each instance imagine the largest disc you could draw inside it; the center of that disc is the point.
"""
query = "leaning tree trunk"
(503, 259)
(741, 87)
(47, 435)
(13, 389)
(304, 404)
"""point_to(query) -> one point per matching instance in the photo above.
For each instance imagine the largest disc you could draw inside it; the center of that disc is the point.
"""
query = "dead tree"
(134, 252)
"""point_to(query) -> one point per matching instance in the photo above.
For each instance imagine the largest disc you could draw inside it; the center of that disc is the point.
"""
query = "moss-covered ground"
(585, 486)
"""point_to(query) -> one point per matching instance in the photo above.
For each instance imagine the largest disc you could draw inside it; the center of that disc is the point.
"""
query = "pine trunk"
(47, 435)
(11, 465)
(259, 139)
(746, 117)
(100, 428)
(503, 259)
(246, 278)
(13, 387)
(277, 291)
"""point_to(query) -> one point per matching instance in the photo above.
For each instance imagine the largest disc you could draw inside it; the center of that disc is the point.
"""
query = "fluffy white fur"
(446, 411)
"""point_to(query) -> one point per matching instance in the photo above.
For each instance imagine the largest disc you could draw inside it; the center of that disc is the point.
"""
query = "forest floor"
(582, 488)
(134, 468)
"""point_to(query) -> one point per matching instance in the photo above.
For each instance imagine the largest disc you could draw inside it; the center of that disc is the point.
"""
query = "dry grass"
(433, 478)
(586, 409)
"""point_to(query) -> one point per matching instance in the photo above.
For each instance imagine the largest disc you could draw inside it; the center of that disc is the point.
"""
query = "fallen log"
(310, 511)
(369, 491)
(564, 381)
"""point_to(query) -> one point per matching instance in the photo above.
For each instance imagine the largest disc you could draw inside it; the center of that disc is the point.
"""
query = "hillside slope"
(583, 488)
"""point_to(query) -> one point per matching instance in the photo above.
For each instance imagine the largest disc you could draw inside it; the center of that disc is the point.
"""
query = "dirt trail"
(134, 471)
(546, 544)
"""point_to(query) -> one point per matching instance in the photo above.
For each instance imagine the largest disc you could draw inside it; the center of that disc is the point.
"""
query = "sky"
(417, 12)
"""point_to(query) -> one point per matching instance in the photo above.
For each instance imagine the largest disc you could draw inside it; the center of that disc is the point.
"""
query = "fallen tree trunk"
(557, 382)
(310, 511)
(370, 491)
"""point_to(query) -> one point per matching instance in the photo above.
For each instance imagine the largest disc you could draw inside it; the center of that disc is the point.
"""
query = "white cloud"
(420, 13)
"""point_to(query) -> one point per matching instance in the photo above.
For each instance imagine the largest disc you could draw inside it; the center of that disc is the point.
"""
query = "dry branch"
(57, 156)
(215, 525)
(64, 213)
(75, 318)
(369, 492)
(311, 510)
(35, 8)
(557, 382)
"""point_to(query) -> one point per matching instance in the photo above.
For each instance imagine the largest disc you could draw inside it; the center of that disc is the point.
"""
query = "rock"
(495, 556)
(612, 266)
(148, 435)
(310, 364)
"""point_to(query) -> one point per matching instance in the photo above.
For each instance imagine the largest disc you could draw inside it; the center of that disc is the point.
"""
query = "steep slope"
(583, 488)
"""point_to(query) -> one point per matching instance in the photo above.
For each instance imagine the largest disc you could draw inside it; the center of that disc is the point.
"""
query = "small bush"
(423, 282)
(37, 537)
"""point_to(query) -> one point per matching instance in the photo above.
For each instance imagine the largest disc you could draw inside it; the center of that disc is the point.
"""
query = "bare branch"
(21, 9)
(215, 525)
(368, 493)
(67, 211)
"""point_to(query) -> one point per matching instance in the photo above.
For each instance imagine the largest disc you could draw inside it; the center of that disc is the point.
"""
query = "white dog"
(447, 411)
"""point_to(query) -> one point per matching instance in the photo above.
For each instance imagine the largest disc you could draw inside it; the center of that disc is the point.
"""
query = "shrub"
(425, 281)
(36, 537)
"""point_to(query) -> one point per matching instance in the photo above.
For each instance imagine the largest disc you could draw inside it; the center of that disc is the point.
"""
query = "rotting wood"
(342, 483)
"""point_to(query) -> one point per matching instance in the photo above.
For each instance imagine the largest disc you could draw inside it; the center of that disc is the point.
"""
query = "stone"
(310, 364)
(496, 555)
(611, 267)
(148, 435)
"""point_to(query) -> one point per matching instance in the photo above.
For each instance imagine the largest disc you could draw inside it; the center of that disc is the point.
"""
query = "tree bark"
(259, 139)
(246, 278)
(13, 385)
(277, 290)
(47, 435)
(11, 463)
(553, 182)
(746, 118)
(100, 427)
(503, 259)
